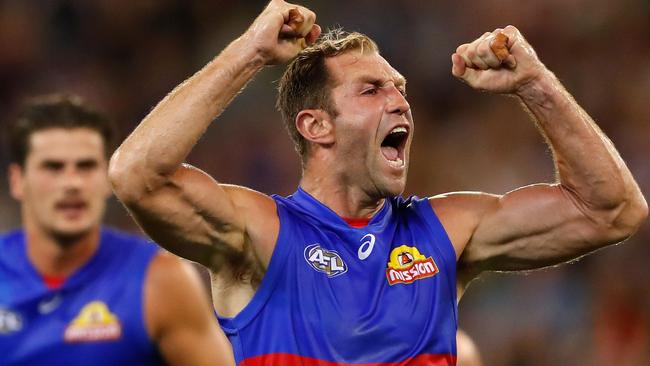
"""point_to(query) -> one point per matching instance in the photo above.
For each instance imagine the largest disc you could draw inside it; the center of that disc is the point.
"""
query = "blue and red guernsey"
(383, 294)
(95, 317)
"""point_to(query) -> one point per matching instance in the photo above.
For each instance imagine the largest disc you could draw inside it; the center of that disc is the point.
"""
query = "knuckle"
(482, 49)
(512, 29)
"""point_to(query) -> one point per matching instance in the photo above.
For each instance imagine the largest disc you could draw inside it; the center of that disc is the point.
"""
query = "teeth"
(398, 129)
(398, 163)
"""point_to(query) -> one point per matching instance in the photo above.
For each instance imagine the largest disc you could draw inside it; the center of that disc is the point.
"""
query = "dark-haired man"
(352, 273)
(73, 292)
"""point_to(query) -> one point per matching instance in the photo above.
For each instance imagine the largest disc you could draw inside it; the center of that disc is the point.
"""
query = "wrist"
(539, 89)
(248, 49)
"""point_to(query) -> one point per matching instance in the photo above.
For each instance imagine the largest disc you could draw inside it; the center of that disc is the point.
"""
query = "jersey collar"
(325, 214)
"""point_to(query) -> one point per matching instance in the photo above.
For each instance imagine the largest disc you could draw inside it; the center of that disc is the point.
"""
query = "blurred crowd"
(125, 55)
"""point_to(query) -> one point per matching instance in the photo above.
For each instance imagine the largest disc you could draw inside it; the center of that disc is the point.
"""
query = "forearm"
(162, 141)
(165, 137)
(587, 163)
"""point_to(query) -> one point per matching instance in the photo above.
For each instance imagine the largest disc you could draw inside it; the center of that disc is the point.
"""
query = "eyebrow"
(51, 163)
(368, 79)
(86, 163)
(81, 162)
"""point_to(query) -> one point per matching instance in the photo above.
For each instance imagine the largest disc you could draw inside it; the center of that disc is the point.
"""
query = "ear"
(316, 126)
(16, 181)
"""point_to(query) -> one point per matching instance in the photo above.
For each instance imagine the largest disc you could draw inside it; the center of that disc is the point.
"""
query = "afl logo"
(10, 322)
(326, 261)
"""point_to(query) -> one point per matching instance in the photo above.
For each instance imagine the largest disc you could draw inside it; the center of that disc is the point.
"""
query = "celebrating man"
(346, 271)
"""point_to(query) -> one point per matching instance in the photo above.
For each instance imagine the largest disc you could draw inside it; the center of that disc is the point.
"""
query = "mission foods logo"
(407, 265)
(95, 322)
(326, 261)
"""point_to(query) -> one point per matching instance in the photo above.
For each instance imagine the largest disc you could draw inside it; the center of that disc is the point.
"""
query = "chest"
(356, 286)
(67, 324)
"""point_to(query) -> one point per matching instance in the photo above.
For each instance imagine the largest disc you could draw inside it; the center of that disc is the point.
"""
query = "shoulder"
(11, 235)
(468, 203)
(401, 202)
(172, 286)
(127, 243)
(166, 270)
(460, 213)
(249, 199)
(114, 235)
(11, 246)
(120, 250)
(261, 219)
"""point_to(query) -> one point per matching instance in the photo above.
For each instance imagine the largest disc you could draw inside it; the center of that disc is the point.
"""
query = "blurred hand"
(477, 65)
(281, 31)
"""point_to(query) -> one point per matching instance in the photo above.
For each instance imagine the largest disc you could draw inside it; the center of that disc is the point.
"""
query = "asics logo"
(49, 305)
(366, 246)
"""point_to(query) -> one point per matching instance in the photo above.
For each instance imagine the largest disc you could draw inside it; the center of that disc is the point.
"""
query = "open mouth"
(393, 146)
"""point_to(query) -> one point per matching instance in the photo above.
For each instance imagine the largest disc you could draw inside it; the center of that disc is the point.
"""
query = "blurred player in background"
(73, 292)
(346, 270)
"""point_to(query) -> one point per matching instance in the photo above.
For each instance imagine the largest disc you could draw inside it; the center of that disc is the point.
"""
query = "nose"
(397, 102)
(72, 179)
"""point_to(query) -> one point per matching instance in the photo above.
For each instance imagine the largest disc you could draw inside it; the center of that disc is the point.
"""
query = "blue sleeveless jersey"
(382, 295)
(95, 318)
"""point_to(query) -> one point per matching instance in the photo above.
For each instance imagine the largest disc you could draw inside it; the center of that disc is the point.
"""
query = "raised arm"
(594, 203)
(179, 206)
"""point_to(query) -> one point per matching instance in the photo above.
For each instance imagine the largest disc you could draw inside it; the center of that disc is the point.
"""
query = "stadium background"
(125, 55)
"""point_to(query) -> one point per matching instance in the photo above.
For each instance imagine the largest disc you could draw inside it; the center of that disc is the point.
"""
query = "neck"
(59, 256)
(335, 192)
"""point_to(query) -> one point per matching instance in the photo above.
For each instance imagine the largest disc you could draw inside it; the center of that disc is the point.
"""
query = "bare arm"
(180, 207)
(179, 317)
(594, 203)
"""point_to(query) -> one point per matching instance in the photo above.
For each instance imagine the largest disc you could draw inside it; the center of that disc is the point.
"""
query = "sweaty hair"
(306, 84)
(56, 111)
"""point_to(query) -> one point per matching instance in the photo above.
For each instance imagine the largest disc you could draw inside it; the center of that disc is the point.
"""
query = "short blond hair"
(306, 84)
